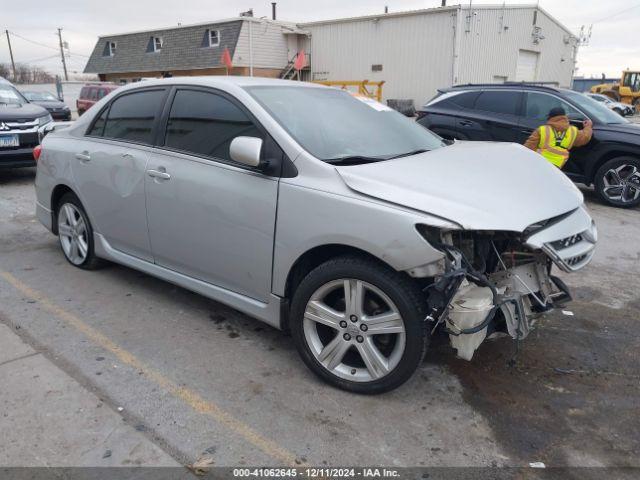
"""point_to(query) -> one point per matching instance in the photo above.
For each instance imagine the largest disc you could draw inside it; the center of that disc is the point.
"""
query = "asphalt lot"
(199, 378)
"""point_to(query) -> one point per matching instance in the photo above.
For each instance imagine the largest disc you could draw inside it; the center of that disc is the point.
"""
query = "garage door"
(527, 66)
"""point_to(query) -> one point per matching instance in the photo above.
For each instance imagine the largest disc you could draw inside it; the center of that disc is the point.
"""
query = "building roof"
(424, 11)
(183, 47)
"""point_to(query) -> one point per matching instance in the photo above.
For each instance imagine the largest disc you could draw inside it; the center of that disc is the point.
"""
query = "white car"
(311, 210)
(622, 109)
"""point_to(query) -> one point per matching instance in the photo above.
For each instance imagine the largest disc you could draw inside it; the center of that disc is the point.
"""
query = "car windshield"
(595, 110)
(40, 96)
(10, 96)
(337, 127)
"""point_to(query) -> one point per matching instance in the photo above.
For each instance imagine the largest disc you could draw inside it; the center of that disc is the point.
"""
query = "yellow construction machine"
(627, 91)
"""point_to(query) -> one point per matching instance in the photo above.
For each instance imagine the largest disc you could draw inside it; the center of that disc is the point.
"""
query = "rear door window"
(93, 94)
(205, 123)
(538, 106)
(504, 102)
(132, 116)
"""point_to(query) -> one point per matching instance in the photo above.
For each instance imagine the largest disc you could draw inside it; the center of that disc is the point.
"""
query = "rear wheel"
(75, 233)
(359, 325)
(617, 182)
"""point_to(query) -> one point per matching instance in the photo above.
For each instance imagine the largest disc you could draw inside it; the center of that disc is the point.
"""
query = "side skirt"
(269, 313)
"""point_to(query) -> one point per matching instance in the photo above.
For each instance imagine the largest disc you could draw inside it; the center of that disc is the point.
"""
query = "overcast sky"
(614, 44)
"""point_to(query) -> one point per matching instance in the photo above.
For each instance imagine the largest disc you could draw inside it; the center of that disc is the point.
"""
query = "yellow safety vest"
(547, 147)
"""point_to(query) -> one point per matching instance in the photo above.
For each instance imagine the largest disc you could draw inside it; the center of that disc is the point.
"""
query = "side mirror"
(246, 150)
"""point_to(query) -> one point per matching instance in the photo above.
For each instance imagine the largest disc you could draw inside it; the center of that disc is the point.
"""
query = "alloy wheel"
(354, 330)
(622, 184)
(72, 230)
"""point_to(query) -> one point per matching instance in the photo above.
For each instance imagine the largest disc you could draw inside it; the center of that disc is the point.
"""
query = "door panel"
(212, 221)
(494, 117)
(110, 182)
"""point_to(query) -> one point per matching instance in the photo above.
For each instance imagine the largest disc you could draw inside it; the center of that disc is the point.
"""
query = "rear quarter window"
(504, 102)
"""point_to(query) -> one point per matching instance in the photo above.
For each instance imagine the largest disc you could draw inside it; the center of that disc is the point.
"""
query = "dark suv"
(22, 126)
(510, 113)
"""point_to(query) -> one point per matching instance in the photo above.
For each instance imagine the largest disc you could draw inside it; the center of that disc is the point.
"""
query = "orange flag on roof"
(301, 61)
(226, 58)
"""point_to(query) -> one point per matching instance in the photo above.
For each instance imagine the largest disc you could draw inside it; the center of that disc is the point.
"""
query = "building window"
(109, 49)
(214, 38)
(157, 44)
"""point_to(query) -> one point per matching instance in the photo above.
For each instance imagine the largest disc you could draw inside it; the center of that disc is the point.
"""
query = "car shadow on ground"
(16, 176)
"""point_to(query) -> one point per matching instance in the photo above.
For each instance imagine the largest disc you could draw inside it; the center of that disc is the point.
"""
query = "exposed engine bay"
(498, 282)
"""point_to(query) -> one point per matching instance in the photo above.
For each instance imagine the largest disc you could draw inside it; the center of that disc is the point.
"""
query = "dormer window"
(157, 44)
(214, 38)
(109, 49)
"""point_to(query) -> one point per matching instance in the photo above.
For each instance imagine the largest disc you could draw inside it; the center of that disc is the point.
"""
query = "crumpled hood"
(478, 185)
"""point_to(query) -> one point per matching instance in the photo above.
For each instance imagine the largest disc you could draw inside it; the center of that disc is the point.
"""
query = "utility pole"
(13, 64)
(64, 63)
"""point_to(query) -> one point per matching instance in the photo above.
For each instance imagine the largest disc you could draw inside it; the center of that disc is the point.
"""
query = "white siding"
(415, 52)
(269, 45)
(493, 37)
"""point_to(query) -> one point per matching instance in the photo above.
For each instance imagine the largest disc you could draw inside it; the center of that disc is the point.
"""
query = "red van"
(92, 93)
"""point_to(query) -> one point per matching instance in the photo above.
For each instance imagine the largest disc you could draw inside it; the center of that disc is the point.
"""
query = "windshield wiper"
(409, 154)
(353, 160)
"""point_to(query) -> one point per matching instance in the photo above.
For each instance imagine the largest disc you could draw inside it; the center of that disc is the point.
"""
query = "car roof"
(507, 85)
(221, 81)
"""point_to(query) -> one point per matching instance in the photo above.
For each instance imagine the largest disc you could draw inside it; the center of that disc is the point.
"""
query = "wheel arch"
(56, 194)
(605, 157)
(316, 256)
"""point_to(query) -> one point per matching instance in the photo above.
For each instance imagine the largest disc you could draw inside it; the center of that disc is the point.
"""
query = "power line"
(36, 60)
(33, 41)
(616, 14)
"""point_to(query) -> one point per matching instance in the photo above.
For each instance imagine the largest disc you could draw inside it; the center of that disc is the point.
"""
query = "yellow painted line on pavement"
(191, 398)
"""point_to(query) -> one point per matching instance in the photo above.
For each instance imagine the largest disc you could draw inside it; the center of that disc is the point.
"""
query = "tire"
(617, 182)
(80, 234)
(386, 292)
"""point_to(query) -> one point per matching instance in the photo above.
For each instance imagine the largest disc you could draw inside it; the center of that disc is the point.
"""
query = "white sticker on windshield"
(373, 104)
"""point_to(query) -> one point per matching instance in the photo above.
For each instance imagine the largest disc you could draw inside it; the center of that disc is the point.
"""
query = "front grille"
(573, 252)
(567, 242)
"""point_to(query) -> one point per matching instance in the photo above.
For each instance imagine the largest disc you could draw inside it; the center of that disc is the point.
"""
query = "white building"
(417, 52)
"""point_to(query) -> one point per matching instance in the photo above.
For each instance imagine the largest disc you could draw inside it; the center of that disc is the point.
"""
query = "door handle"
(528, 131)
(466, 123)
(84, 157)
(127, 155)
(159, 174)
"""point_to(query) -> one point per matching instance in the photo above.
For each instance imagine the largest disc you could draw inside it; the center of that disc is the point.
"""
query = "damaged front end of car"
(494, 282)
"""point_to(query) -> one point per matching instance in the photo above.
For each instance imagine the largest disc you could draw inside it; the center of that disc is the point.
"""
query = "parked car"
(354, 227)
(618, 107)
(510, 113)
(22, 126)
(53, 105)
(92, 93)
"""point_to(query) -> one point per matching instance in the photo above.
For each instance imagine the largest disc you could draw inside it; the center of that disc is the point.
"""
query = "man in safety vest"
(554, 139)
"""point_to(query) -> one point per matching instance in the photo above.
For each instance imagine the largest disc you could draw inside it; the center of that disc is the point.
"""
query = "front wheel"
(617, 182)
(359, 325)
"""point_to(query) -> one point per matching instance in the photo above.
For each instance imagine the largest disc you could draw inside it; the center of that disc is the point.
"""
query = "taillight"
(37, 152)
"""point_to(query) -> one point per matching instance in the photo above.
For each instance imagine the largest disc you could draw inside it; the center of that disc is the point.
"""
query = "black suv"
(510, 112)
(22, 125)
